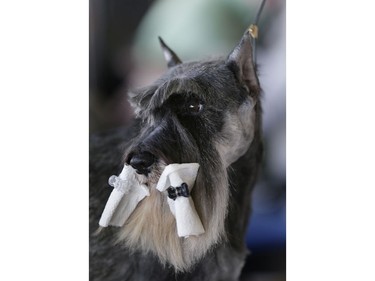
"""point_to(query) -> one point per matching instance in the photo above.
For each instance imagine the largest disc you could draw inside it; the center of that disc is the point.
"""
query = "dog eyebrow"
(174, 86)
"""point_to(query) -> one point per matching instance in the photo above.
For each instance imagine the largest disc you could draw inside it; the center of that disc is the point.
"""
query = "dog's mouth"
(144, 172)
(175, 181)
(149, 176)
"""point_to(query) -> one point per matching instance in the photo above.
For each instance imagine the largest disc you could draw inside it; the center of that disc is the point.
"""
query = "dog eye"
(194, 106)
(186, 104)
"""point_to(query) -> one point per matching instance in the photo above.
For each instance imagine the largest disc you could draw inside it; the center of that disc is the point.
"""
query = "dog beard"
(152, 227)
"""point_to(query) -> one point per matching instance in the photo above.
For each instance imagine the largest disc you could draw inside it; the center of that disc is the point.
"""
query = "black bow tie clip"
(182, 190)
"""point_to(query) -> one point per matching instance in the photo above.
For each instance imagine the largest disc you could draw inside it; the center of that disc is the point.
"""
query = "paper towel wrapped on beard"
(126, 195)
(176, 181)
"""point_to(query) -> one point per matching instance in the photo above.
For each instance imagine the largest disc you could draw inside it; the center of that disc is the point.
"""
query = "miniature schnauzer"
(206, 112)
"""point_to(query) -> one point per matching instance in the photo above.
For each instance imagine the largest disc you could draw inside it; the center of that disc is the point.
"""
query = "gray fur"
(207, 112)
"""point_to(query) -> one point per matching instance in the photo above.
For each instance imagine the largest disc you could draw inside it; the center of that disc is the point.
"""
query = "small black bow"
(182, 190)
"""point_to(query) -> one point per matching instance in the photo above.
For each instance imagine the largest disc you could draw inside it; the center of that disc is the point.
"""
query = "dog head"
(202, 112)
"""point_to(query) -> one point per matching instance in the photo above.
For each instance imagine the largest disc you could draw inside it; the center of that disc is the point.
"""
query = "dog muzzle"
(175, 182)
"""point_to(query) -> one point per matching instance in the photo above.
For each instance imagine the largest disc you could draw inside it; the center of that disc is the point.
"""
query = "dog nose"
(142, 162)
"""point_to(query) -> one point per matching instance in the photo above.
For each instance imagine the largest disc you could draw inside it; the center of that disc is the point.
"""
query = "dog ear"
(170, 56)
(240, 60)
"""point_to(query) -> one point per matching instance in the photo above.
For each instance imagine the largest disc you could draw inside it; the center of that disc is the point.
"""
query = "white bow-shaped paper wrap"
(174, 175)
(126, 195)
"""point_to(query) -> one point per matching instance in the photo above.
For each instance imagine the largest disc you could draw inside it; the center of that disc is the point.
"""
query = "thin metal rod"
(259, 12)
(254, 29)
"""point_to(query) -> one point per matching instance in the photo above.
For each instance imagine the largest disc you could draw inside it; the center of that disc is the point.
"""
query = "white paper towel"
(187, 220)
(126, 195)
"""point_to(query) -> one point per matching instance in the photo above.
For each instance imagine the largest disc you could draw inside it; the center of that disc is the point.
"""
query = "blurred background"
(125, 53)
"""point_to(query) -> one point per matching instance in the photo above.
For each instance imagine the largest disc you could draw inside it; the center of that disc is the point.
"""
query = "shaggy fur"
(206, 112)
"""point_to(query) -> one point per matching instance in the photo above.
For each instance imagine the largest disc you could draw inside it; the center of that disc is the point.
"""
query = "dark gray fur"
(174, 137)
